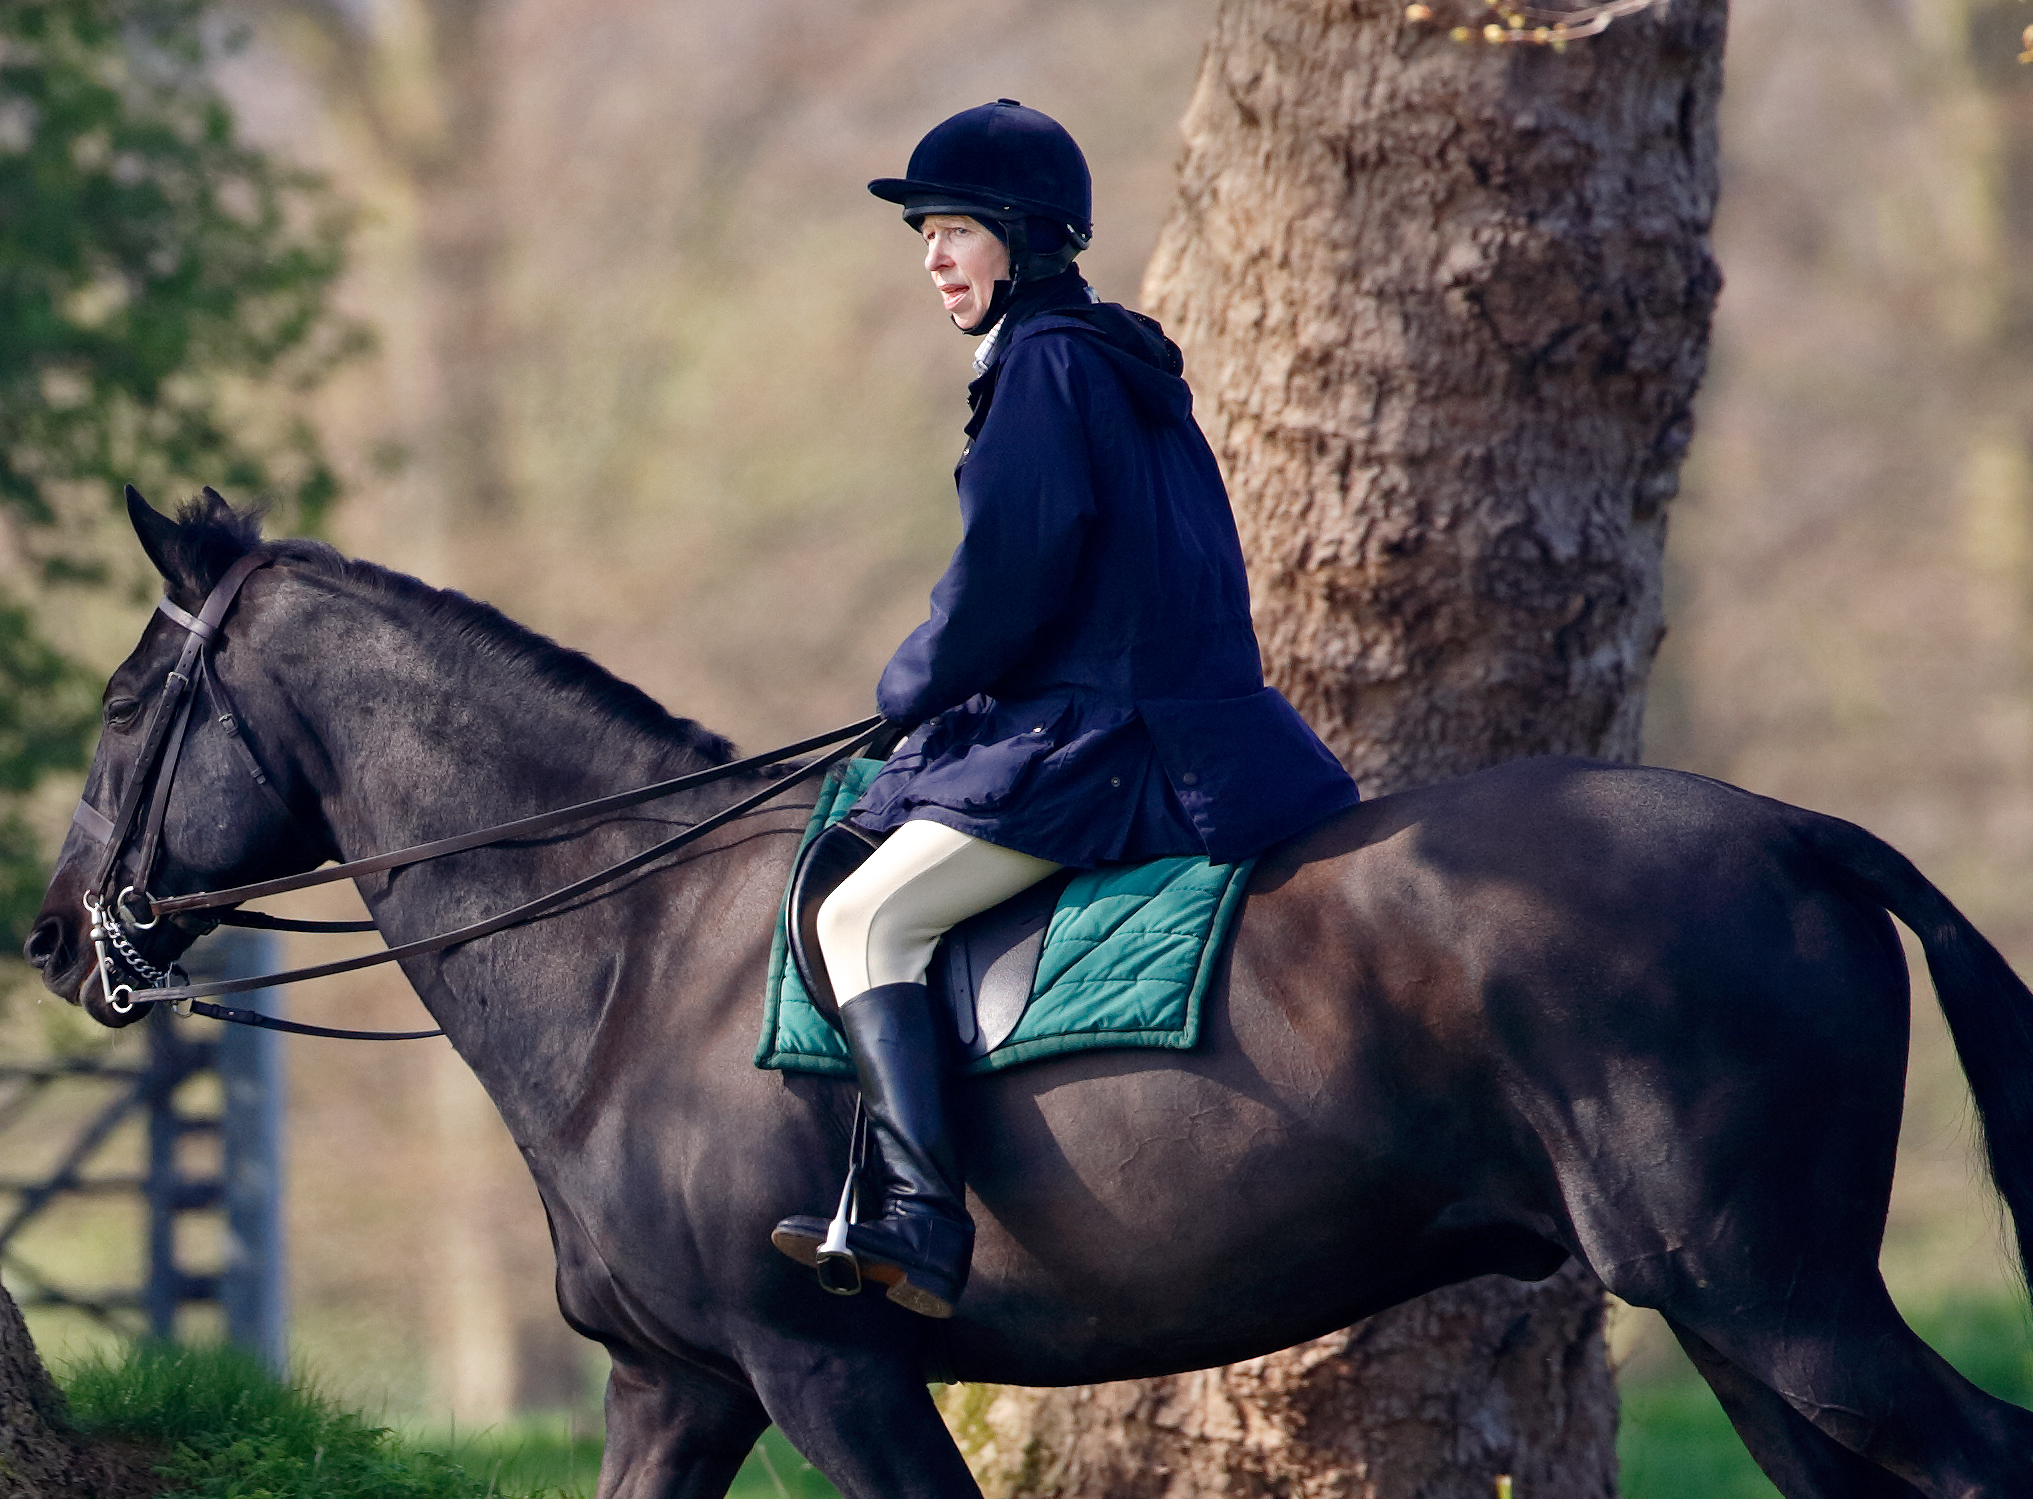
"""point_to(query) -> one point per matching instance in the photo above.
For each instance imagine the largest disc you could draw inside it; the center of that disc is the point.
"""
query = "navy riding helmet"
(1014, 169)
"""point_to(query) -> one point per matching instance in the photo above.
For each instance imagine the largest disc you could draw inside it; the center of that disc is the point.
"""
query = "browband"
(205, 623)
(184, 617)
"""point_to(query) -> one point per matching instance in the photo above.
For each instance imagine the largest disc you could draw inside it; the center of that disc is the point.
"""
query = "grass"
(232, 1431)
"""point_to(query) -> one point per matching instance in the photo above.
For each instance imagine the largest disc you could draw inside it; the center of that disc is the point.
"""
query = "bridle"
(117, 919)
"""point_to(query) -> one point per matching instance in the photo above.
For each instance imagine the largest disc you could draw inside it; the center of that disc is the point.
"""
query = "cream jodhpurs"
(881, 925)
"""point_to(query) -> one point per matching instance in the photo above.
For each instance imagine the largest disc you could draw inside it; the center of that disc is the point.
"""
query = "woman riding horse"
(1088, 687)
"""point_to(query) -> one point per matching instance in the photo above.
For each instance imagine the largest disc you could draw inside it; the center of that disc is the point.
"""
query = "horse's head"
(184, 794)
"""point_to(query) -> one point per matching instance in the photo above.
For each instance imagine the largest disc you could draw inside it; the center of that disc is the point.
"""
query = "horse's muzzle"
(49, 947)
(55, 947)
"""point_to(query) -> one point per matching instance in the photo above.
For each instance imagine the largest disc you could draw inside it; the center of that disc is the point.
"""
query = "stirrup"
(839, 1268)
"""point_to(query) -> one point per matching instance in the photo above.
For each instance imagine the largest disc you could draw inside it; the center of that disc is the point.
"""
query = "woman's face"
(965, 261)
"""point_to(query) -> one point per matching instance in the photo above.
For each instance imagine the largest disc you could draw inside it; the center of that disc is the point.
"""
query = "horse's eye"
(120, 712)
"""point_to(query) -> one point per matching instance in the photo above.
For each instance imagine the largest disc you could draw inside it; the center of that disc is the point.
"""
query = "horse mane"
(212, 534)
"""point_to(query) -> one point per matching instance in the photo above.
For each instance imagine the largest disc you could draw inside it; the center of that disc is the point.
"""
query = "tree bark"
(40, 1457)
(1445, 308)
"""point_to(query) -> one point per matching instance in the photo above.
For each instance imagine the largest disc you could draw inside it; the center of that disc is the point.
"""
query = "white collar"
(987, 350)
(988, 340)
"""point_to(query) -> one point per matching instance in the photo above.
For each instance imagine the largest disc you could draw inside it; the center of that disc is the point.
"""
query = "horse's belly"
(1147, 1218)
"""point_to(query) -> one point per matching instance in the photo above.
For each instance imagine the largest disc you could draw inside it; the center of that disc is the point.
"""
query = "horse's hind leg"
(675, 1432)
(1851, 1368)
(1801, 1462)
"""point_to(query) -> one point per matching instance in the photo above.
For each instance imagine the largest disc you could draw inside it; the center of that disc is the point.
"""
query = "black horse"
(1557, 1009)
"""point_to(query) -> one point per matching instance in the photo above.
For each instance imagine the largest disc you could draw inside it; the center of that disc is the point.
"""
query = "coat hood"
(1148, 363)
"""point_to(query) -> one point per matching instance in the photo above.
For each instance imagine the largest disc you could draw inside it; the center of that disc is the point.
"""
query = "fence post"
(254, 1284)
(173, 1059)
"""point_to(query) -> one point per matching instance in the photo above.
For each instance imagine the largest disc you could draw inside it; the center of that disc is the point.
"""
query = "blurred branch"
(345, 59)
(376, 73)
(1537, 26)
(151, 263)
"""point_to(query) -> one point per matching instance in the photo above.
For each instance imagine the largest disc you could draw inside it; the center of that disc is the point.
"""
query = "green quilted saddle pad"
(1128, 957)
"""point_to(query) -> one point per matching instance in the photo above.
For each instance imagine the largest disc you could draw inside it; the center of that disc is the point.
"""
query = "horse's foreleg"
(675, 1432)
(1801, 1462)
(864, 1420)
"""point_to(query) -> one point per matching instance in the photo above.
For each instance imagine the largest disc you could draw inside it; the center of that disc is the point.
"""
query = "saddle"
(983, 970)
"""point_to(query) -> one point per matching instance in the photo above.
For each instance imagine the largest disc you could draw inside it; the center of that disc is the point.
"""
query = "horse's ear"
(157, 532)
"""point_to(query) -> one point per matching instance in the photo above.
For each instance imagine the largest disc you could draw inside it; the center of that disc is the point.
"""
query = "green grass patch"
(233, 1431)
(776, 1471)
(553, 1456)
(529, 1455)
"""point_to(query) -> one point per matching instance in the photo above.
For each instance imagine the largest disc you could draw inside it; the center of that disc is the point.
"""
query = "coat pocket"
(989, 776)
(1009, 743)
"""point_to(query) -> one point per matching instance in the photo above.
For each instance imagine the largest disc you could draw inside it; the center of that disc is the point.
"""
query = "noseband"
(117, 919)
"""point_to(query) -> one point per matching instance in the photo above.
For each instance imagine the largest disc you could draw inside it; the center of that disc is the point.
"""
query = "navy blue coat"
(1088, 687)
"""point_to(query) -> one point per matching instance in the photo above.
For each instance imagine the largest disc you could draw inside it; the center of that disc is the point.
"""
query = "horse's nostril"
(45, 942)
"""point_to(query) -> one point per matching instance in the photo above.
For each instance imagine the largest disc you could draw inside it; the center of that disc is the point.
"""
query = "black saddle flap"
(986, 966)
(826, 861)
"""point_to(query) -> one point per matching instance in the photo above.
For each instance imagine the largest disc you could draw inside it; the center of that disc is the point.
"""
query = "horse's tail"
(1989, 1009)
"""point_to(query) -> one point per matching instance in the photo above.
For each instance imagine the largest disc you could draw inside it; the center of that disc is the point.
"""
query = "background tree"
(162, 310)
(1446, 310)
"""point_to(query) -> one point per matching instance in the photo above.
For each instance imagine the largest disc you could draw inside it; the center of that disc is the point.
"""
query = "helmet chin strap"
(998, 304)
(1024, 266)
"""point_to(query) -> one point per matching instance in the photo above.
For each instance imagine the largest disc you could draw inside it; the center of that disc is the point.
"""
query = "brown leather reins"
(114, 922)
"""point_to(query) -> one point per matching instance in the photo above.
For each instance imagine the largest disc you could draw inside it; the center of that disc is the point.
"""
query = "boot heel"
(913, 1296)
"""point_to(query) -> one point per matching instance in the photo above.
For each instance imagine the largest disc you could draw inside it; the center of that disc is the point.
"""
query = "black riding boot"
(921, 1245)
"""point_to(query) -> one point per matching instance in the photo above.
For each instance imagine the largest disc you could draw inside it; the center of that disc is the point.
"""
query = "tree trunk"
(40, 1458)
(460, 244)
(1445, 308)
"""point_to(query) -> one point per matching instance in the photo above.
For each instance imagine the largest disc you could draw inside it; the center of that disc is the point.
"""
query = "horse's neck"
(412, 736)
(424, 735)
